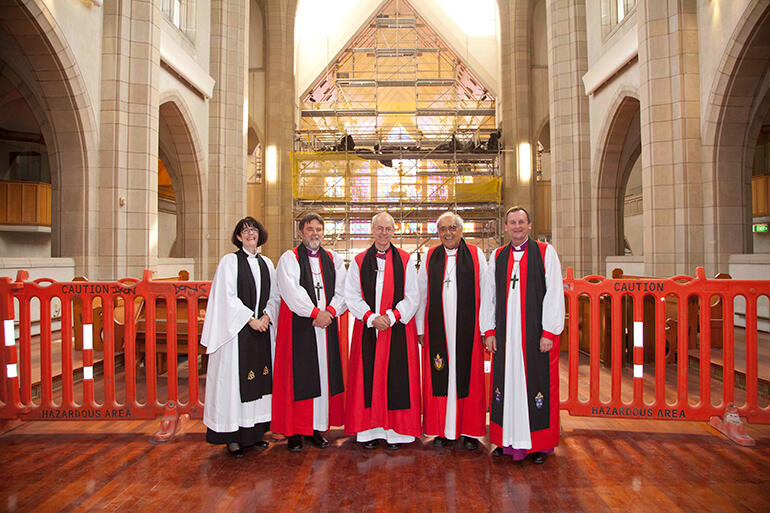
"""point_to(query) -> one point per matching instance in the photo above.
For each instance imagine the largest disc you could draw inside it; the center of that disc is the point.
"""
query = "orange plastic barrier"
(60, 397)
(681, 407)
(85, 394)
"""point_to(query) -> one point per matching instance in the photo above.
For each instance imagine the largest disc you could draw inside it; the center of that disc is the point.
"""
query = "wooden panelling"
(760, 196)
(25, 203)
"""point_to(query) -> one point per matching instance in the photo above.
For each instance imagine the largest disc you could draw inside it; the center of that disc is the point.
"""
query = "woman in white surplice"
(228, 340)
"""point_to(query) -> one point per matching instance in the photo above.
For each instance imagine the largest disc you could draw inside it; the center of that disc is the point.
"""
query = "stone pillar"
(226, 194)
(670, 131)
(516, 100)
(570, 135)
(127, 219)
(279, 124)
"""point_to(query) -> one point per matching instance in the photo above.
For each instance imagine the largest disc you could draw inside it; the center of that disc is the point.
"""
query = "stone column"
(128, 144)
(279, 124)
(670, 131)
(570, 135)
(226, 194)
(516, 100)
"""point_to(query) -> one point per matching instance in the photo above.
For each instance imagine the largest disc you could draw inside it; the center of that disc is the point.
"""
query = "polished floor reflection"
(600, 465)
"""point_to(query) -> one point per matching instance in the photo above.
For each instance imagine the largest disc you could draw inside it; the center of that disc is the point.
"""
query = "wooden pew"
(671, 321)
(119, 314)
(161, 328)
(584, 328)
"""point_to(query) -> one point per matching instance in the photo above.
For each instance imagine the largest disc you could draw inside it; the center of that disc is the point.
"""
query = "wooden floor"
(600, 465)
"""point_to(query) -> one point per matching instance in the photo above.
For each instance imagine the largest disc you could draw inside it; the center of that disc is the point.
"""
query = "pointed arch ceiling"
(396, 72)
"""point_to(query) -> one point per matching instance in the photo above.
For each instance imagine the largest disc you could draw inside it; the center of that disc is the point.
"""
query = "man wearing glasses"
(450, 282)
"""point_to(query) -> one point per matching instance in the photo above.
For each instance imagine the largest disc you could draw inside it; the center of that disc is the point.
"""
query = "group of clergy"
(274, 353)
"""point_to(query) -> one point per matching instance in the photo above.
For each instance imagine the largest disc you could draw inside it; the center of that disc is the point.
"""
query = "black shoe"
(393, 447)
(235, 450)
(538, 458)
(470, 444)
(262, 445)
(498, 451)
(440, 441)
(318, 440)
(371, 444)
(295, 443)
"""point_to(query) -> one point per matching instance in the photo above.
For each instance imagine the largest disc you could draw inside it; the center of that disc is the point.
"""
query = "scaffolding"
(398, 122)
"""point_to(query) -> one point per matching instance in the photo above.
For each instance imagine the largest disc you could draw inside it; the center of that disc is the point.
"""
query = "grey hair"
(457, 219)
(383, 214)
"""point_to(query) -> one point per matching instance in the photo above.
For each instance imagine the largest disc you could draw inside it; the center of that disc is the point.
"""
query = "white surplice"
(358, 308)
(299, 302)
(449, 298)
(515, 408)
(226, 315)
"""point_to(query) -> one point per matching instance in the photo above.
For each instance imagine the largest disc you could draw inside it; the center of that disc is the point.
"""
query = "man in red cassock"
(308, 389)
(450, 281)
(383, 395)
(522, 317)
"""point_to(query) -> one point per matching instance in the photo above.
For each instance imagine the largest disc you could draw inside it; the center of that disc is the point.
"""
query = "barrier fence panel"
(122, 320)
(129, 347)
(684, 333)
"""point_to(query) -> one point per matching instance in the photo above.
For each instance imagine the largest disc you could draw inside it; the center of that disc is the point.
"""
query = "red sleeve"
(550, 336)
(315, 313)
(331, 310)
(367, 315)
(396, 314)
(489, 333)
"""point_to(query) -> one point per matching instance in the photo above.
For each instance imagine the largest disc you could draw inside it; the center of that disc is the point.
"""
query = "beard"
(313, 244)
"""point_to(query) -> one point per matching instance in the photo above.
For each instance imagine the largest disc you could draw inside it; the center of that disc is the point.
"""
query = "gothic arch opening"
(48, 84)
(738, 113)
(619, 187)
(179, 188)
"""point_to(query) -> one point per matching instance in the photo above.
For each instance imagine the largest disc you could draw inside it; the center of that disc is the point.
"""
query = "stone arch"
(620, 146)
(180, 142)
(738, 101)
(54, 79)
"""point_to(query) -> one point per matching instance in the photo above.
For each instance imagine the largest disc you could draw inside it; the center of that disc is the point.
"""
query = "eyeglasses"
(249, 231)
(451, 228)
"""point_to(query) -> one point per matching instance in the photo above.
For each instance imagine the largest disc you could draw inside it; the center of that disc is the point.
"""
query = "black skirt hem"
(245, 436)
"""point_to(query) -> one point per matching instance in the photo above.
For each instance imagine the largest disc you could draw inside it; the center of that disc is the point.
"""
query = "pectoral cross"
(447, 281)
(318, 289)
(513, 281)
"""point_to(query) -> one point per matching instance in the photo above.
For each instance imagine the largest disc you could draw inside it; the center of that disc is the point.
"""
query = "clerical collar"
(520, 248)
(451, 252)
(311, 253)
(249, 255)
(382, 254)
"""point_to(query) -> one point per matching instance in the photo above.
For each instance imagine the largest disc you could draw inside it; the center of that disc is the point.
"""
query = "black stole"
(304, 356)
(398, 363)
(254, 355)
(465, 322)
(537, 364)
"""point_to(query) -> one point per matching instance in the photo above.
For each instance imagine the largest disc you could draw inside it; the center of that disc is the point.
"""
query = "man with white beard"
(308, 390)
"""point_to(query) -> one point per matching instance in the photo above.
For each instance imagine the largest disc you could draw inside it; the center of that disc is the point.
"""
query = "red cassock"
(542, 385)
(471, 407)
(360, 416)
(291, 416)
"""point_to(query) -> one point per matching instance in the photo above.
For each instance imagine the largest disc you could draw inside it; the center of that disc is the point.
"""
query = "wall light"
(525, 162)
(271, 163)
